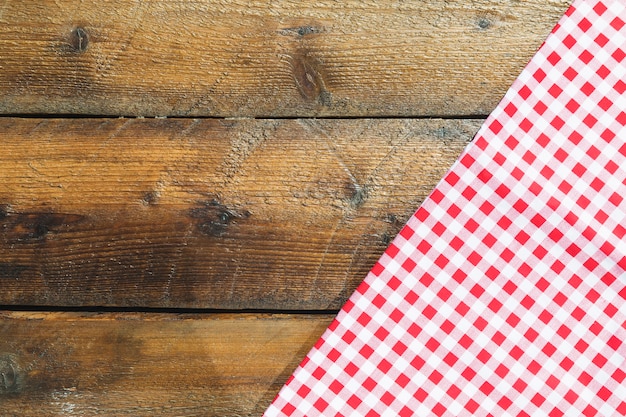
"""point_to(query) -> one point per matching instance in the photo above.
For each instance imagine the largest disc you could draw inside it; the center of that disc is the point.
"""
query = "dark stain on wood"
(11, 271)
(28, 227)
(212, 218)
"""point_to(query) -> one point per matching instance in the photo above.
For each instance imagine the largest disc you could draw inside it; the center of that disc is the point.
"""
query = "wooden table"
(189, 191)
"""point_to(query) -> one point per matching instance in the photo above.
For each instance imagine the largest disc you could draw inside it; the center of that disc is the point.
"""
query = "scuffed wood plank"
(66, 364)
(263, 214)
(252, 58)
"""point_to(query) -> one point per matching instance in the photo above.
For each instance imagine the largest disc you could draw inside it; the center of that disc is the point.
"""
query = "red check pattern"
(504, 295)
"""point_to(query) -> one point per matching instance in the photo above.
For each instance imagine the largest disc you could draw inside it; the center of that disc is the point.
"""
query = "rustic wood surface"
(284, 213)
(271, 59)
(262, 214)
(68, 364)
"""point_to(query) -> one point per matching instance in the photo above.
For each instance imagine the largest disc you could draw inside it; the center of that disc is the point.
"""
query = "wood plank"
(65, 364)
(263, 214)
(251, 58)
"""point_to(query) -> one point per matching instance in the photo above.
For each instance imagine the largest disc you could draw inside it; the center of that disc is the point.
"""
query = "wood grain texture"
(263, 214)
(258, 58)
(64, 364)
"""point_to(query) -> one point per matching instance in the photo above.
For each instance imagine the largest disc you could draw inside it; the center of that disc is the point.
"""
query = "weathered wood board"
(266, 59)
(262, 214)
(70, 364)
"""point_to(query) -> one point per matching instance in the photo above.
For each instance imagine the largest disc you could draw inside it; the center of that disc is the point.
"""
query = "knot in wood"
(79, 40)
(309, 78)
(9, 375)
(484, 23)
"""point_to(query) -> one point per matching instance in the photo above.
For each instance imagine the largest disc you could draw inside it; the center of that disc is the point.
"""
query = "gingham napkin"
(504, 295)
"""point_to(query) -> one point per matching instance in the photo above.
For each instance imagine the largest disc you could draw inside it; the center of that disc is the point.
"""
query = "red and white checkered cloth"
(504, 295)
